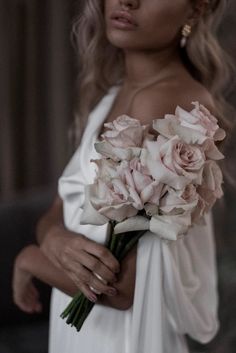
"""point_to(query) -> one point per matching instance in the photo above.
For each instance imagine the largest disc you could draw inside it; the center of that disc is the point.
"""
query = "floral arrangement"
(162, 179)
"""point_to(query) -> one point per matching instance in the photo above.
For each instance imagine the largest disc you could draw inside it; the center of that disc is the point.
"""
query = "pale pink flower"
(201, 120)
(173, 162)
(112, 199)
(117, 153)
(198, 127)
(136, 177)
(125, 132)
(211, 188)
(121, 190)
(182, 159)
(177, 202)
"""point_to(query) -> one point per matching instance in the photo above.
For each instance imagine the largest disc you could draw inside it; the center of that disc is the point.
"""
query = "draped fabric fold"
(175, 286)
(190, 286)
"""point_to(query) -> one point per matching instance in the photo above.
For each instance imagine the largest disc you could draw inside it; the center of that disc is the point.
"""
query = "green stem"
(88, 307)
(134, 240)
(73, 302)
(114, 242)
(112, 226)
(123, 239)
(79, 311)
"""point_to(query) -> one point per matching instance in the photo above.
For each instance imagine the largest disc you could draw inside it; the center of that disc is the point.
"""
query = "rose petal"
(151, 209)
(119, 212)
(89, 214)
(212, 151)
(115, 153)
(171, 127)
(220, 135)
(170, 227)
(132, 224)
(152, 192)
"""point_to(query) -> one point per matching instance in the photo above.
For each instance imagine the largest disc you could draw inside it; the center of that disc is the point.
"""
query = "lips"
(123, 17)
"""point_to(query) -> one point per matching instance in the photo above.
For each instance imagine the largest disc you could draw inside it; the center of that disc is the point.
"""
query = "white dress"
(175, 288)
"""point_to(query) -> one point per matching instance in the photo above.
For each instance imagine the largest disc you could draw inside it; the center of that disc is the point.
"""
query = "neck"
(145, 67)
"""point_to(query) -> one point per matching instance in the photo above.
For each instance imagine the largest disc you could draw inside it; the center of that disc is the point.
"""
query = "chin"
(136, 41)
(122, 40)
(118, 39)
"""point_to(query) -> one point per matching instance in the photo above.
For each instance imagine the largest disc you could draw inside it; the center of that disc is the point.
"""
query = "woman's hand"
(25, 294)
(83, 260)
(79, 258)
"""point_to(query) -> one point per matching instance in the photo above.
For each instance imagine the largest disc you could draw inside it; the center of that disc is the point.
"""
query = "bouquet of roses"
(161, 180)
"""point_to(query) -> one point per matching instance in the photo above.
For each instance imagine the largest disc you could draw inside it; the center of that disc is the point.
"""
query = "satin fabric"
(176, 283)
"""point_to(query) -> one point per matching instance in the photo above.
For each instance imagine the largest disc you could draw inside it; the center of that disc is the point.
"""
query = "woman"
(141, 58)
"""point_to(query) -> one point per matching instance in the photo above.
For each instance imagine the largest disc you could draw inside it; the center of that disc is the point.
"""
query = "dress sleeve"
(190, 282)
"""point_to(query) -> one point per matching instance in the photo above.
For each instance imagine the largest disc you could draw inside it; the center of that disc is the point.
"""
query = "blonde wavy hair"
(204, 57)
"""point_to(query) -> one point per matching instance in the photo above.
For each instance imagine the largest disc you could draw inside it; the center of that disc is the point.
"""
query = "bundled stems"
(80, 306)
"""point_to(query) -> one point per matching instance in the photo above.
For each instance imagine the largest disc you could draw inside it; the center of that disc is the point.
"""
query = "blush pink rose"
(110, 195)
(202, 120)
(211, 188)
(121, 190)
(112, 199)
(174, 214)
(125, 132)
(183, 159)
(178, 201)
(106, 169)
(196, 127)
(139, 182)
(173, 162)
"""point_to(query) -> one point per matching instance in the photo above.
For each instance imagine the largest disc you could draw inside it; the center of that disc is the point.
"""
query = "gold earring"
(186, 31)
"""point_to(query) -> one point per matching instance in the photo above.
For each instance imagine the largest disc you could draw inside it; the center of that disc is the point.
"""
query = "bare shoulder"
(155, 102)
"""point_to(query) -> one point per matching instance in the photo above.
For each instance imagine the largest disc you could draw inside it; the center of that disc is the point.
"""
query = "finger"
(100, 277)
(89, 293)
(104, 255)
(84, 288)
(84, 276)
(33, 291)
(38, 307)
(88, 261)
(102, 288)
(95, 265)
(81, 276)
(24, 305)
(33, 304)
(33, 299)
(79, 273)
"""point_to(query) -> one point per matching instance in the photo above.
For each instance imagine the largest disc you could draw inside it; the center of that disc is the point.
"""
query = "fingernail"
(93, 298)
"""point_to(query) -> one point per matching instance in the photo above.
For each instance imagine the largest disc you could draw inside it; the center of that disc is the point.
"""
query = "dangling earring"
(186, 31)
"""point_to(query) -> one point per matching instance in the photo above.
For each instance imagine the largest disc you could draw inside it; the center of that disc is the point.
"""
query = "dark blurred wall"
(36, 95)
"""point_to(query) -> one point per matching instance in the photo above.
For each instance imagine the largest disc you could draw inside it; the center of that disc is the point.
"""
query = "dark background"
(37, 93)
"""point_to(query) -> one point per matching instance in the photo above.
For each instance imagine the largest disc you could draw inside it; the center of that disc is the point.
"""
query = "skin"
(153, 32)
(155, 82)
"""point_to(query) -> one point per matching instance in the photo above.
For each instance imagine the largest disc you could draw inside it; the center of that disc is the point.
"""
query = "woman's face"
(145, 24)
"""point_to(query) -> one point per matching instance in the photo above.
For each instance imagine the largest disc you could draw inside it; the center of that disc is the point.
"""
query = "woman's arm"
(31, 262)
(52, 219)
(78, 257)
